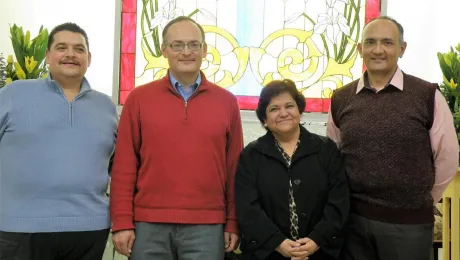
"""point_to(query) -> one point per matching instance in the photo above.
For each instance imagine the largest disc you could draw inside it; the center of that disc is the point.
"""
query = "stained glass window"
(312, 42)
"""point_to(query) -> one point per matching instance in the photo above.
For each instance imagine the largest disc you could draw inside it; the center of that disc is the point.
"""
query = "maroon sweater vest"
(386, 143)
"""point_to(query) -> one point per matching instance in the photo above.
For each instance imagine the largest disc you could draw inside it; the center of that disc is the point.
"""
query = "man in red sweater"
(179, 139)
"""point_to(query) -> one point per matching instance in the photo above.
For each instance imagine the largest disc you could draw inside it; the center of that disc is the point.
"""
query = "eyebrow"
(381, 39)
(65, 44)
(288, 103)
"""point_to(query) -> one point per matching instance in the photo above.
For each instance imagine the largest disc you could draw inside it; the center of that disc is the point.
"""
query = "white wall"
(96, 17)
(430, 26)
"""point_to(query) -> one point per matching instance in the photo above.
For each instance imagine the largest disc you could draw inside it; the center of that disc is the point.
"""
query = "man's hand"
(291, 249)
(123, 241)
(308, 245)
(231, 241)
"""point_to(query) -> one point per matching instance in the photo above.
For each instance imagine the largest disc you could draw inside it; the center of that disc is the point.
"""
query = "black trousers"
(86, 245)
(373, 240)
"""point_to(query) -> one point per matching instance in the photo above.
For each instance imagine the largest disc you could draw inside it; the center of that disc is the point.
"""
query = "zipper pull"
(186, 109)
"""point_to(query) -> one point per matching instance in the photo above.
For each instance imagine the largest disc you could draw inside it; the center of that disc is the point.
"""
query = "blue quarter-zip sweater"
(54, 157)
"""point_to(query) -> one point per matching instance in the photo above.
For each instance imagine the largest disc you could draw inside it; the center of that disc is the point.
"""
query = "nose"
(70, 52)
(378, 48)
(283, 112)
(186, 50)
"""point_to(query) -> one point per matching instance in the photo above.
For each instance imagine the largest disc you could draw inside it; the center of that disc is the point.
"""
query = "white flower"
(331, 3)
(165, 14)
(333, 22)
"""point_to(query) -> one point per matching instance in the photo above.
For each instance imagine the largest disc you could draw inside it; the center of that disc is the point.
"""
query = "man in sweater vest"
(57, 136)
(401, 151)
(179, 139)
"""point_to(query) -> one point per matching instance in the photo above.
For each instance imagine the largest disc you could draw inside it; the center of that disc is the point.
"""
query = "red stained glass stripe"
(123, 95)
(372, 9)
(127, 71)
(128, 33)
(129, 6)
(313, 104)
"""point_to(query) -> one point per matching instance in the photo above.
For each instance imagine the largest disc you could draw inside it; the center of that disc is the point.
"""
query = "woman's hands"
(297, 250)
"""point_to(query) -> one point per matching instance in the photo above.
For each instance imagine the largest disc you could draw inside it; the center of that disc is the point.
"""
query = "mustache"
(69, 62)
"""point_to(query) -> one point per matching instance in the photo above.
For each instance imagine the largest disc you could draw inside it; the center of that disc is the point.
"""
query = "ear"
(163, 50)
(47, 54)
(89, 58)
(403, 49)
(360, 49)
(205, 49)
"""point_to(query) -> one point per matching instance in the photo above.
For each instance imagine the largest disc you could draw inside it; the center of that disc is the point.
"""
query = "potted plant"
(450, 87)
(29, 61)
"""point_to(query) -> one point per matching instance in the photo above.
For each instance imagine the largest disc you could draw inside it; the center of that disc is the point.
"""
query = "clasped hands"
(297, 250)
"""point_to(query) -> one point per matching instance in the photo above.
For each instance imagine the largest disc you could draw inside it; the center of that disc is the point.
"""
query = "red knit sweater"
(175, 161)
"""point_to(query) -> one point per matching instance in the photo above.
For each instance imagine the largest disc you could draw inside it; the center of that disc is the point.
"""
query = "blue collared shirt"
(185, 93)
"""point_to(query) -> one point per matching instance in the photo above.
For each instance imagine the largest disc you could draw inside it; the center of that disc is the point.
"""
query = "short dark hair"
(274, 89)
(180, 19)
(388, 18)
(71, 27)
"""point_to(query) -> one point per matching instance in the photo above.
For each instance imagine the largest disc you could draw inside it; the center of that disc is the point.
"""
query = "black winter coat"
(262, 196)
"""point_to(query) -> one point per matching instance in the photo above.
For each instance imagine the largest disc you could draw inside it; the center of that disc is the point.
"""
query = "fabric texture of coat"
(262, 196)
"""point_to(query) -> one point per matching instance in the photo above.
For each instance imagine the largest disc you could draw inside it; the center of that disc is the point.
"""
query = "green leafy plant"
(29, 53)
(450, 67)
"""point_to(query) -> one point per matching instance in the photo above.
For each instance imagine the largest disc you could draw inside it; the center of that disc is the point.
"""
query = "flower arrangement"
(450, 66)
(29, 54)
(2, 71)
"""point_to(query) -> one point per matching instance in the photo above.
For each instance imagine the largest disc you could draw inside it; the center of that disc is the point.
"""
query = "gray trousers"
(373, 240)
(155, 241)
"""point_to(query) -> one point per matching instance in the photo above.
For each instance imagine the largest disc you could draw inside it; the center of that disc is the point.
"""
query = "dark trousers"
(87, 245)
(374, 240)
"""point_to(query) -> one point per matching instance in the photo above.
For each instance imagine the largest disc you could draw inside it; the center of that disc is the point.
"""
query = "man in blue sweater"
(57, 136)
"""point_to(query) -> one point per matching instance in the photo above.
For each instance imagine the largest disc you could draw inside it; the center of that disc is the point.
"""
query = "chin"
(378, 68)
(286, 129)
(189, 70)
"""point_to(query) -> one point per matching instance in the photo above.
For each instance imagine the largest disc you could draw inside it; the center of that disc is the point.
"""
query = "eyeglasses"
(179, 46)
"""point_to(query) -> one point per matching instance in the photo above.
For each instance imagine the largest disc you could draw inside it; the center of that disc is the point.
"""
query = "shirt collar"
(396, 81)
(174, 81)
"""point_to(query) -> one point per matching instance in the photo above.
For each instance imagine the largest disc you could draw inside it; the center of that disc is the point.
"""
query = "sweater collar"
(204, 83)
(85, 86)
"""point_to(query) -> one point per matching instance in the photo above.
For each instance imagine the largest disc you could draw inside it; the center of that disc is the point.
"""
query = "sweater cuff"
(232, 227)
(122, 223)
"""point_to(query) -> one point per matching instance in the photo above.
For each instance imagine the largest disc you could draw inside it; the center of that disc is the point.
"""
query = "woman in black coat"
(292, 198)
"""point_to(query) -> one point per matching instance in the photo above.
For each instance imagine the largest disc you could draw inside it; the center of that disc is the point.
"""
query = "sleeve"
(5, 109)
(331, 129)
(445, 147)
(125, 166)
(258, 232)
(234, 147)
(117, 119)
(336, 211)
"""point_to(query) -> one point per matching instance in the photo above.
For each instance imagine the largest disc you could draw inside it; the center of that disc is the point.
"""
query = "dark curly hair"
(274, 89)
